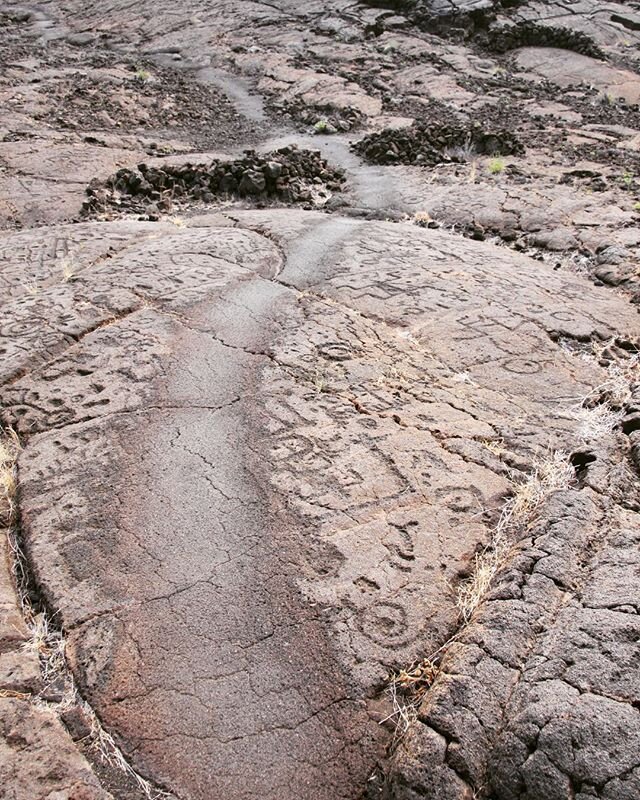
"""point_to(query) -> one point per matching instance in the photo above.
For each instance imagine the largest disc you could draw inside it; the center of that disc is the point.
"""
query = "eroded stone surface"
(39, 760)
(205, 397)
(517, 710)
(263, 448)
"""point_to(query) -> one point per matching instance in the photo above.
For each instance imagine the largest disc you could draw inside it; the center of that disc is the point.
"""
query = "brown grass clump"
(9, 449)
(551, 473)
(406, 689)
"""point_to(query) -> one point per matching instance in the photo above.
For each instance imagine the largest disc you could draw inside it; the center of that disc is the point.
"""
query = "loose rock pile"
(530, 34)
(322, 119)
(289, 174)
(456, 19)
(427, 144)
(475, 19)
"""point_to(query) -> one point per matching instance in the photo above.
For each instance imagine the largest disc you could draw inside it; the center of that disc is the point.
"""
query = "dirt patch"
(289, 175)
(12, 41)
(434, 144)
(139, 97)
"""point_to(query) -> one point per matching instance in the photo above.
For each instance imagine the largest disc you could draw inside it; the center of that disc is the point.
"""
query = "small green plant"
(628, 179)
(142, 75)
(321, 126)
(496, 166)
(636, 206)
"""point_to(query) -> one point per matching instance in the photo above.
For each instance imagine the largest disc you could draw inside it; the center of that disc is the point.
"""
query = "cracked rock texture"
(264, 450)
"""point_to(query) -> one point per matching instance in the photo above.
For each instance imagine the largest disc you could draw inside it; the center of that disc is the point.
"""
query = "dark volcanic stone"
(424, 143)
(286, 174)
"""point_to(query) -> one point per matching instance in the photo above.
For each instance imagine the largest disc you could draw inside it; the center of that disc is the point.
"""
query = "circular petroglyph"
(386, 624)
(335, 351)
(563, 316)
(522, 366)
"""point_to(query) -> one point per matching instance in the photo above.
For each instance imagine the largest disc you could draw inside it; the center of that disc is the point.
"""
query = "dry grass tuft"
(47, 642)
(596, 422)
(9, 449)
(550, 473)
(394, 377)
(422, 219)
(68, 270)
(495, 446)
(617, 388)
(406, 689)
(11, 694)
(404, 710)
(417, 679)
(601, 410)
(30, 287)
(320, 381)
(108, 751)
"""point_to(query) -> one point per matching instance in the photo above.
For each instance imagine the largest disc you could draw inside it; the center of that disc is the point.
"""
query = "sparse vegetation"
(30, 287)
(47, 640)
(9, 449)
(496, 166)
(622, 375)
(320, 381)
(423, 219)
(596, 421)
(143, 75)
(550, 473)
(462, 152)
(68, 271)
(628, 179)
(407, 688)
(495, 446)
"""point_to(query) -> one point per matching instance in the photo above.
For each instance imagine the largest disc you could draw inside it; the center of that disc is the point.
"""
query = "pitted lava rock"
(319, 461)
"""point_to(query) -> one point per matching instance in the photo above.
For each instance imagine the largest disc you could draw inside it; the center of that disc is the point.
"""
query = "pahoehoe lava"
(319, 400)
